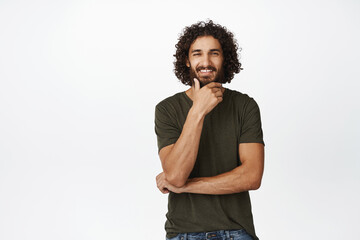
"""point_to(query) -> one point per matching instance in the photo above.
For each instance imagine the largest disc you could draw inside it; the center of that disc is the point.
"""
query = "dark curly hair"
(231, 64)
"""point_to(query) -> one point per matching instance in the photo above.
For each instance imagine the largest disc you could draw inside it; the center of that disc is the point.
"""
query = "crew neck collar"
(189, 99)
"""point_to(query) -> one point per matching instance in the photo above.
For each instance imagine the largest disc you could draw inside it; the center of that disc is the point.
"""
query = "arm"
(179, 158)
(243, 178)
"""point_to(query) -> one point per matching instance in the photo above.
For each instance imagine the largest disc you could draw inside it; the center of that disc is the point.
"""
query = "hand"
(164, 186)
(206, 98)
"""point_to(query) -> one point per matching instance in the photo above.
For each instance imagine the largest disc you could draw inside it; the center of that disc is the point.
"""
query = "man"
(210, 141)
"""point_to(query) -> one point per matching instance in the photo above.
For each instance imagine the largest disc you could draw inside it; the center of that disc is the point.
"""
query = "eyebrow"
(211, 50)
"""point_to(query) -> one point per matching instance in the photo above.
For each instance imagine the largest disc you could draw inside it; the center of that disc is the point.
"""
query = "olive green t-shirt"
(233, 121)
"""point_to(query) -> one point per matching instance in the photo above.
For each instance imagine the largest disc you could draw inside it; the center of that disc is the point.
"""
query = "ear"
(187, 62)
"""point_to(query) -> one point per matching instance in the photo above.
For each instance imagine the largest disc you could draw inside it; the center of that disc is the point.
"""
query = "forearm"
(237, 180)
(180, 161)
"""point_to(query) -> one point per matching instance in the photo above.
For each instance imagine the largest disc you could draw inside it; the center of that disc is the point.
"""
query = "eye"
(215, 53)
(196, 54)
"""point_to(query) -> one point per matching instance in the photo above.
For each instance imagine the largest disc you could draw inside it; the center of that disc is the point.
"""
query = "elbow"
(255, 184)
(176, 180)
(254, 180)
(178, 184)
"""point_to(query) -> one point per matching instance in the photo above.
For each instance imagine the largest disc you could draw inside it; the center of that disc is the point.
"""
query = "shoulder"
(169, 100)
(239, 98)
(169, 104)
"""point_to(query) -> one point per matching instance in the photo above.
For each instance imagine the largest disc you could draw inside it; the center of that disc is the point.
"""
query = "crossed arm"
(178, 159)
(243, 178)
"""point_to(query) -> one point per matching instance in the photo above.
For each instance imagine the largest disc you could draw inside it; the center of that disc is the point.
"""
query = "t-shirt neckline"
(189, 99)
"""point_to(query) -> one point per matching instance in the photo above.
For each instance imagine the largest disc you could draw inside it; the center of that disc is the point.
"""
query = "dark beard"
(218, 78)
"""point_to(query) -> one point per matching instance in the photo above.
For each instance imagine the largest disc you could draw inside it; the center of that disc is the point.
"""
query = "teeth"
(205, 70)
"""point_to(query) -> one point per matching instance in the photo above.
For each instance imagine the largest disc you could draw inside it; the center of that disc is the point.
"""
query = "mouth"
(206, 71)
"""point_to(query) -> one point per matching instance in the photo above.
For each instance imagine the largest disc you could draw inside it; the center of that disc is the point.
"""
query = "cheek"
(218, 63)
(193, 62)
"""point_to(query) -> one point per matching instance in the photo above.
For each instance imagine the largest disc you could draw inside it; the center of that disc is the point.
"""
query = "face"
(205, 60)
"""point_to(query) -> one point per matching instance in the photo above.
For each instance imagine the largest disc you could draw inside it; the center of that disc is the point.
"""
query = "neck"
(190, 93)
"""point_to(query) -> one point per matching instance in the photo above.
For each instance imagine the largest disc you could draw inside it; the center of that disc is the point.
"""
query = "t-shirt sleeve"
(166, 130)
(251, 130)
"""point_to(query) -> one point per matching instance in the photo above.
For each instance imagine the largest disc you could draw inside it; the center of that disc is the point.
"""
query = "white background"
(79, 81)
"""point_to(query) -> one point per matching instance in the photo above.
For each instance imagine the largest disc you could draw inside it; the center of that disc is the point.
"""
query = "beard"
(219, 76)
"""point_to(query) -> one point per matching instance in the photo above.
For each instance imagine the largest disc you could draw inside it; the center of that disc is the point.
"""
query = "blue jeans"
(216, 235)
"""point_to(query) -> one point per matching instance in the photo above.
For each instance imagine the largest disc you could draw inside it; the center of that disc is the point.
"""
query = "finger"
(196, 84)
(158, 176)
(214, 84)
(164, 190)
(215, 89)
(218, 94)
(159, 183)
(161, 187)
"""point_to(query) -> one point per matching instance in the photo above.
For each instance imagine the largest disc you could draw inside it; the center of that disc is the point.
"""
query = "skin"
(205, 54)
(179, 158)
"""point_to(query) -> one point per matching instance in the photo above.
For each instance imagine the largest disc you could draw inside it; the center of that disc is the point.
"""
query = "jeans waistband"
(210, 235)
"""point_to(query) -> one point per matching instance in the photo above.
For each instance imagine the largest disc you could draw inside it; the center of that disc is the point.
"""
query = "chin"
(204, 82)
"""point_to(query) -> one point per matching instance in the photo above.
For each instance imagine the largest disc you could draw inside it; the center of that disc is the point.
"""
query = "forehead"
(205, 43)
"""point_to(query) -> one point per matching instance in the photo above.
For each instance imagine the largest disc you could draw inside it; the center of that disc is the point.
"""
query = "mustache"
(204, 68)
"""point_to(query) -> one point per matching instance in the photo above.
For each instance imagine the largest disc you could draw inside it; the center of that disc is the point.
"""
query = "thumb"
(196, 84)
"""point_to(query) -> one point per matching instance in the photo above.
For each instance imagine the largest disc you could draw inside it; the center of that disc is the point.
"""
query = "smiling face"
(205, 60)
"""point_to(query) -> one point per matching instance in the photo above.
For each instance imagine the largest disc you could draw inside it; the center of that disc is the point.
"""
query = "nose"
(205, 60)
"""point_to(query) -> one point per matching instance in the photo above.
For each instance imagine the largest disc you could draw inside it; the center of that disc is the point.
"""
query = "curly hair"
(231, 64)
